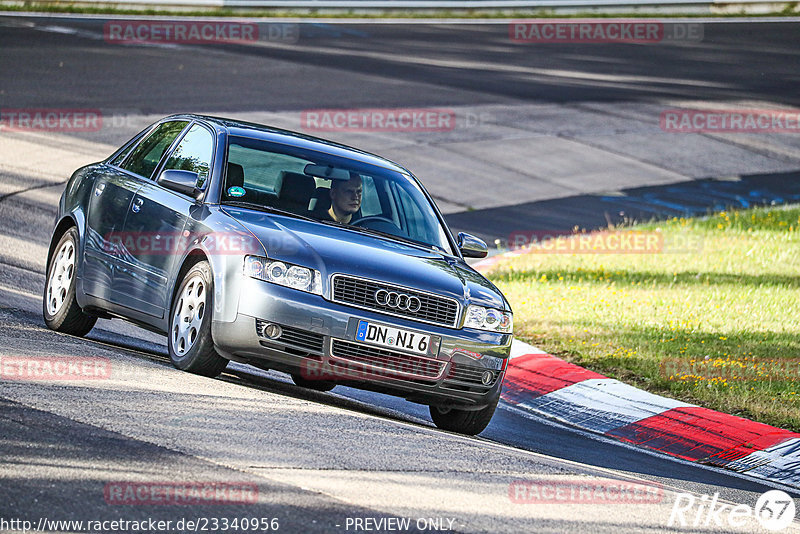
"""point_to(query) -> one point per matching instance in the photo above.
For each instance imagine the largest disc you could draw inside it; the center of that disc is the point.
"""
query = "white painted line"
(516, 410)
(520, 348)
(59, 29)
(601, 404)
(780, 462)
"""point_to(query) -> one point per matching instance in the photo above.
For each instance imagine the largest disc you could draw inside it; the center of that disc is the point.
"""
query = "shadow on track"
(640, 204)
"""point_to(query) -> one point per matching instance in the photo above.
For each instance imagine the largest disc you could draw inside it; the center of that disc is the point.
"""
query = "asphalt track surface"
(317, 459)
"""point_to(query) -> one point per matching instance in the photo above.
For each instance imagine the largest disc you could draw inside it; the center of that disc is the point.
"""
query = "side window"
(370, 203)
(145, 157)
(194, 153)
(118, 159)
(121, 156)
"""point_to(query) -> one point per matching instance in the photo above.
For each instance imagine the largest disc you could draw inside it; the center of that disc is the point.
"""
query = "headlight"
(284, 274)
(489, 319)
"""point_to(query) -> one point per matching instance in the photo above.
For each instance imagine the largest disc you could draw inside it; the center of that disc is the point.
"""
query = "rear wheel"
(60, 307)
(190, 345)
(470, 422)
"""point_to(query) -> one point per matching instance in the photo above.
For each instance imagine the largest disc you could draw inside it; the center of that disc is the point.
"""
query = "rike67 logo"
(774, 511)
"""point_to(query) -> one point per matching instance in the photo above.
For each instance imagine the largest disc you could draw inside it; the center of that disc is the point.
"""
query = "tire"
(190, 345)
(469, 422)
(59, 306)
(316, 385)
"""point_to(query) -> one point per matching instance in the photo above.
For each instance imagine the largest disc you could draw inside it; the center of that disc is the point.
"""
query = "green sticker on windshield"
(236, 191)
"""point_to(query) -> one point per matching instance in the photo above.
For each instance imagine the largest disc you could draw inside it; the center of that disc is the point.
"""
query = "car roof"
(289, 137)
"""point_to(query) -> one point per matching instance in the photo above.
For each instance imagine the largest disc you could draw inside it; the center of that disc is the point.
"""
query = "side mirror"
(181, 181)
(471, 247)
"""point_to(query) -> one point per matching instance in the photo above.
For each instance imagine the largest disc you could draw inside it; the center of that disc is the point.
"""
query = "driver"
(345, 199)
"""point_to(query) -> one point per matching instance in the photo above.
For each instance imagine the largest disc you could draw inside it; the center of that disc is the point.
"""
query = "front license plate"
(395, 338)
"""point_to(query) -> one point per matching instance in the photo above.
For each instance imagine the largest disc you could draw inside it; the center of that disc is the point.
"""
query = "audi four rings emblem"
(399, 301)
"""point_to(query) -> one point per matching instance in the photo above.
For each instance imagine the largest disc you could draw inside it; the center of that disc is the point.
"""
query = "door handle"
(99, 189)
(137, 205)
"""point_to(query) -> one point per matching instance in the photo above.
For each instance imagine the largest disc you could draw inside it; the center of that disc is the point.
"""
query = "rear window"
(263, 171)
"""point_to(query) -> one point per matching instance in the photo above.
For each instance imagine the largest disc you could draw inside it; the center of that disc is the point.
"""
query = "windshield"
(332, 190)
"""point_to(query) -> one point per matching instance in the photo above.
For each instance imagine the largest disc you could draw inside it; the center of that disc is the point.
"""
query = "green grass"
(717, 325)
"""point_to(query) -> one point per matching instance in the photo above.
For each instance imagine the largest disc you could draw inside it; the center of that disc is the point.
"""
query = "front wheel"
(190, 345)
(60, 307)
(469, 422)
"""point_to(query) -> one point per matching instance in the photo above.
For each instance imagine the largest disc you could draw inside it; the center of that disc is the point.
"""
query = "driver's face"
(346, 198)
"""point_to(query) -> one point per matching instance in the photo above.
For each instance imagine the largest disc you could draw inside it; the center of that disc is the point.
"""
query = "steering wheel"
(370, 218)
(381, 224)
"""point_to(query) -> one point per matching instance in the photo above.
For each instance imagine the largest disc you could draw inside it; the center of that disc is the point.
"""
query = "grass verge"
(711, 318)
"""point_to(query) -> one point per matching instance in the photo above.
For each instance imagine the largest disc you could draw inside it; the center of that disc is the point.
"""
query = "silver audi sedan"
(272, 248)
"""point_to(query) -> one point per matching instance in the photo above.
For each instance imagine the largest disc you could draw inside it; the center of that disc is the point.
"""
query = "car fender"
(71, 213)
(77, 219)
(227, 263)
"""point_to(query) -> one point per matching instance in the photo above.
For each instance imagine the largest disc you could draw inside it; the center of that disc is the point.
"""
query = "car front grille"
(295, 337)
(470, 375)
(387, 363)
(361, 293)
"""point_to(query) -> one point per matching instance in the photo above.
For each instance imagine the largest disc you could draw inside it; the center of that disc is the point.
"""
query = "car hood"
(332, 250)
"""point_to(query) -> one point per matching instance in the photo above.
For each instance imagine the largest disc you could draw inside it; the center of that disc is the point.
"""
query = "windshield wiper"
(267, 209)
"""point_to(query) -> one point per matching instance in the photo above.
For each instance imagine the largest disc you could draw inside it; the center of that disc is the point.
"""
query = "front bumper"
(318, 343)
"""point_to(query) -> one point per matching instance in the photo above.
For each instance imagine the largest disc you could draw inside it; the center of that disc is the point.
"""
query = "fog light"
(272, 331)
(487, 378)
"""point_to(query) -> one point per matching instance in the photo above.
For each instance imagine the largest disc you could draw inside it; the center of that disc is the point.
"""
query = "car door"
(155, 224)
(109, 202)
